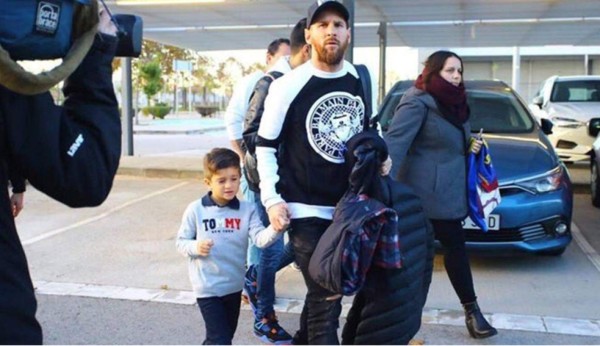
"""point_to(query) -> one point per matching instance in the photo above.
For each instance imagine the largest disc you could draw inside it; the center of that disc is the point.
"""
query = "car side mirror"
(538, 101)
(547, 126)
(594, 127)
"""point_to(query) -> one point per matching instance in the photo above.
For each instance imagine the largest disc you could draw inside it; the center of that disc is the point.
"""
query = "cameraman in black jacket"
(71, 153)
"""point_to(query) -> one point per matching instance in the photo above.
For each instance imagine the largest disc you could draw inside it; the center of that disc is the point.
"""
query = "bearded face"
(329, 37)
(331, 51)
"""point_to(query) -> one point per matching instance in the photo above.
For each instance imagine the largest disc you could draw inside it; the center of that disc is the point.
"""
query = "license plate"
(493, 223)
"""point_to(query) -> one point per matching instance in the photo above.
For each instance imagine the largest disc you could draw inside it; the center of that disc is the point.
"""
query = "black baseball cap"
(320, 5)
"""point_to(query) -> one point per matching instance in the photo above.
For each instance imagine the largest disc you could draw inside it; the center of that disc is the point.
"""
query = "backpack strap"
(273, 75)
(365, 79)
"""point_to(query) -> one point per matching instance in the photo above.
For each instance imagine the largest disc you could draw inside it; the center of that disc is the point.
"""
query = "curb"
(178, 132)
(174, 173)
(161, 167)
(160, 173)
(531, 323)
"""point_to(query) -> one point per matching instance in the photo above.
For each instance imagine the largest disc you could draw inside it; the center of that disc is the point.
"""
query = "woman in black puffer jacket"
(388, 309)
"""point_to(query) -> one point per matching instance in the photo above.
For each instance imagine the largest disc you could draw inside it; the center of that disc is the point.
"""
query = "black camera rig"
(130, 33)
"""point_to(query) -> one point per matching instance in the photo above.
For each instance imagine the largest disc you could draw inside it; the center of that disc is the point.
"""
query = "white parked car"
(569, 102)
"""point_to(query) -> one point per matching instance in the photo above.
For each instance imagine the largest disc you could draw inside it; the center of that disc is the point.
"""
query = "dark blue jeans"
(220, 316)
(271, 260)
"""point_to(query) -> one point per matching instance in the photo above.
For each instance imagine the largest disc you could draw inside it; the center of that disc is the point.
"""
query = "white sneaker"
(295, 266)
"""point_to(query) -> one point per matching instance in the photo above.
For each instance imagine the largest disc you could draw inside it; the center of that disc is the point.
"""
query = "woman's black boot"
(477, 325)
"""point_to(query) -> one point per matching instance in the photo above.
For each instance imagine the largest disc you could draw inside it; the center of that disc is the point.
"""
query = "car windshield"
(576, 91)
(496, 111)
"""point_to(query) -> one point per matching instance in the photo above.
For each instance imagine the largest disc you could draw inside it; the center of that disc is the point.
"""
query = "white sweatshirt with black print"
(311, 114)
(222, 271)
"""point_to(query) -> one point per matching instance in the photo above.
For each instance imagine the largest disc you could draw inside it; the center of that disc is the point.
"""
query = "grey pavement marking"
(540, 324)
(585, 246)
(52, 233)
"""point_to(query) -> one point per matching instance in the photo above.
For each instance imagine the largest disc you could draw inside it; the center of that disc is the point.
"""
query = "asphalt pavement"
(74, 320)
(109, 275)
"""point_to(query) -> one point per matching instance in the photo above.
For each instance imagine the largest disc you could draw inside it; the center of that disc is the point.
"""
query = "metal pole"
(189, 97)
(382, 32)
(126, 108)
(175, 101)
(516, 69)
(350, 52)
(586, 64)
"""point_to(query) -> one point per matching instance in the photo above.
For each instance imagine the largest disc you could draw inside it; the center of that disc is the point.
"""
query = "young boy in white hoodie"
(214, 236)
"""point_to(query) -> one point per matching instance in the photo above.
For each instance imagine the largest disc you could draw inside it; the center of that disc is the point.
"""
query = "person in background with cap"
(259, 283)
(236, 111)
(79, 175)
(309, 115)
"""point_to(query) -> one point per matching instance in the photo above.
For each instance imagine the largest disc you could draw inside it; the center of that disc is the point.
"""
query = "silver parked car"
(569, 102)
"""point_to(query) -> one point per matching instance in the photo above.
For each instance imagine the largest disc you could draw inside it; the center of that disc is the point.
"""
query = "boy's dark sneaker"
(269, 331)
(250, 288)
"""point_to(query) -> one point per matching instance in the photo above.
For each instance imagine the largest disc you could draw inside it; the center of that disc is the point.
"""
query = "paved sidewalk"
(171, 162)
(115, 321)
(543, 326)
(188, 166)
(182, 123)
(166, 166)
(161, 167)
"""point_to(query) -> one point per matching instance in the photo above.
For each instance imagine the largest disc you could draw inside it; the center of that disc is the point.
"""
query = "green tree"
(257, 66)
(228, 73)
(154, 51)
(164, 53)
(206, 80)
(151, 78)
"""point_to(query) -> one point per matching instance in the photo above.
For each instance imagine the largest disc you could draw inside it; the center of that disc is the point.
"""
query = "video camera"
(130, 35)
(41, 29)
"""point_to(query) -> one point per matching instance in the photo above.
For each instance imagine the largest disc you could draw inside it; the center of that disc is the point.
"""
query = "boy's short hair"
(220, 158)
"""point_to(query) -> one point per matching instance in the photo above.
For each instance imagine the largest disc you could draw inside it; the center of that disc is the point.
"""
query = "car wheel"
(595, 184)
(556, 252)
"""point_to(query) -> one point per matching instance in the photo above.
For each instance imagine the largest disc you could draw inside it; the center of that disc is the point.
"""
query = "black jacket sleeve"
(256, 107)
(16, 180)
(70, 153)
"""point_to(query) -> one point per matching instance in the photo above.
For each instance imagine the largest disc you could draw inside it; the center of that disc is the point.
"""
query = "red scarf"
(451, 99)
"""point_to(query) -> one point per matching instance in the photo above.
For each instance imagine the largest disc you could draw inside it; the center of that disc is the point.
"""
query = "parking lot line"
(52, 233)
(587, 249)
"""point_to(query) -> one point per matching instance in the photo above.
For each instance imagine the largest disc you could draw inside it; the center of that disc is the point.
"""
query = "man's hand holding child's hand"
(279, 216)
(204, 246)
